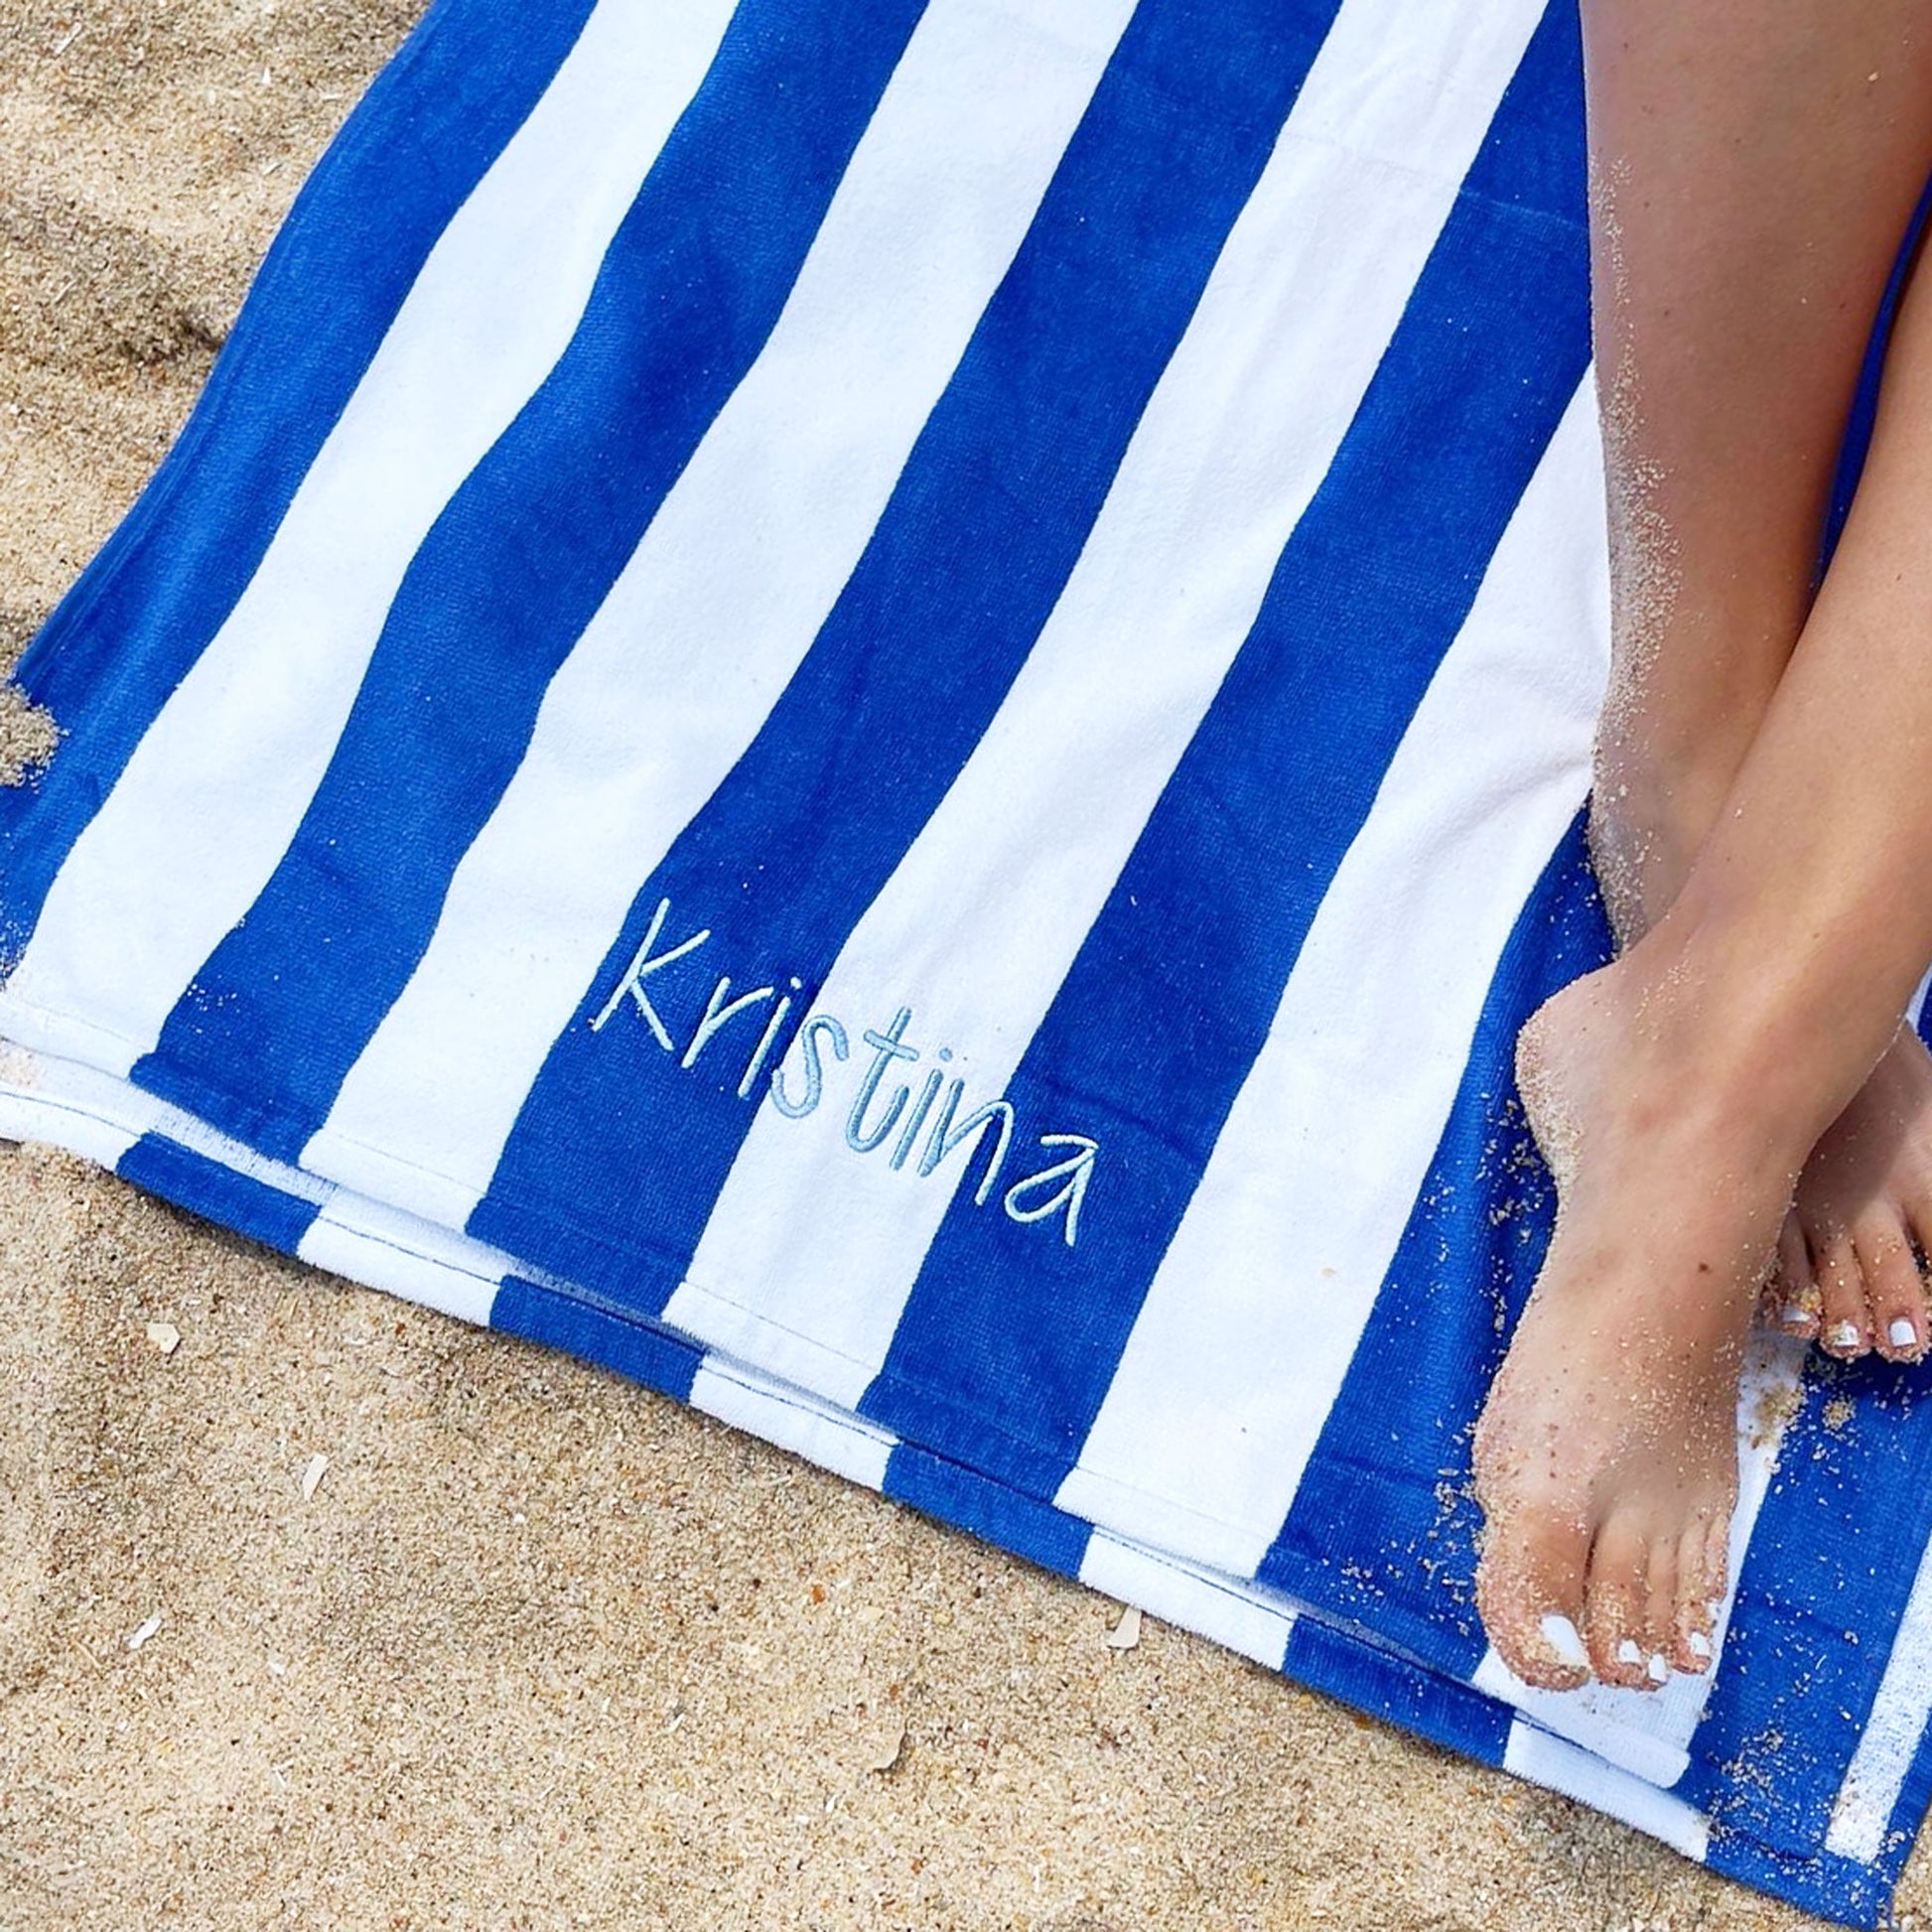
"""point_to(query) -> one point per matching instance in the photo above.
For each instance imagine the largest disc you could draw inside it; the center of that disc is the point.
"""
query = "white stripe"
(728, 588)
(1556, 1766)
(194, 826)
(33, 1108)
(1256, 1310)
(1648, 1734)
(383, 1248)
(811, 1251)
(1219, 1608)
(855, 1450)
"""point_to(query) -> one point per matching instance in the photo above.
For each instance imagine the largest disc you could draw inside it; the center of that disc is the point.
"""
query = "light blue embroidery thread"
(946, 1137)
(934, 1080)
(766, 1038)
(815, 1071)
(642, 963)
(890, 1049)
(716, 1015)
(1073, 1173)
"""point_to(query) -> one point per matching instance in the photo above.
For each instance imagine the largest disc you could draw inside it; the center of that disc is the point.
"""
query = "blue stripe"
(217, 1192)
(1835, 1888)
(1383, 1525)
(970, 1502)
(518, 562)
(1832, 1554)
(646, 1354)
(964, 568)
(359, 232)
(1400, 1692)
(1011, 1336)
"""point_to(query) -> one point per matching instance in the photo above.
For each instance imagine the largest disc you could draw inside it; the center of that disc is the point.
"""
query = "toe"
(1659, 1634)
(1530, 1595)
(1694, 1616)
(1616, 1606)
(1791, 1296)
(1894, 1291)
(1844, 1328)
(1714, 1584)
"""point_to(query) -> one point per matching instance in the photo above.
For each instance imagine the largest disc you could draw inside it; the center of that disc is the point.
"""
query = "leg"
(1752, 170)
(1750, 179)
(1679, 1092)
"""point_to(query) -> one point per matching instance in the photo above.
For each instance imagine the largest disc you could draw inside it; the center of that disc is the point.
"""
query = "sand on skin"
(542, 1649)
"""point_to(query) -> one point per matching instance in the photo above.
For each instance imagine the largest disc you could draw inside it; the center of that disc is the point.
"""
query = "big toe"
(1529, 1593)
(1618, 1625)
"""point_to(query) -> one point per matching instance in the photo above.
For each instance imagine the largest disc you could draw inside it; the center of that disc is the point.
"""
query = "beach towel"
(880, 710)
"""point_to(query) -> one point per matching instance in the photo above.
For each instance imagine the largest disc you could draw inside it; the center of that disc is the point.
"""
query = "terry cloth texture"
(879, 708)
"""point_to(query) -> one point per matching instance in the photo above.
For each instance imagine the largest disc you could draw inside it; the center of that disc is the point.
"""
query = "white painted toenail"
(1658, 1669)
(1902, 1334)
(1698, 1645)
(1561, 1635)
(1628, 1653)
(1844, 1335)
(1796, 1315)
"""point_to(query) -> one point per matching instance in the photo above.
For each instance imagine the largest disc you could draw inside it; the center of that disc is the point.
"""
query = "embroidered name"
(876, 1115)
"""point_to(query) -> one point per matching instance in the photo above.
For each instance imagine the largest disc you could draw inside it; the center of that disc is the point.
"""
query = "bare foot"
(1605, 1457)
(1848, 1274)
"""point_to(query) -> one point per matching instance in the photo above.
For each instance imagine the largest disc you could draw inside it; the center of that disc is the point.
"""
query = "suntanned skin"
(1733, 1101)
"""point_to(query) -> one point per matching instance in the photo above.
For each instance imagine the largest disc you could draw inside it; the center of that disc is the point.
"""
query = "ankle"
(1739, 1031)
(1666, 754)
(1648, 819)
(1620, 1069)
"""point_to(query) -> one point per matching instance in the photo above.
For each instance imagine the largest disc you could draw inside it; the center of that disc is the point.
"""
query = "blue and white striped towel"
(878, 708)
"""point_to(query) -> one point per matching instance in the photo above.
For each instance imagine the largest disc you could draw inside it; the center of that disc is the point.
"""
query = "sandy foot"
(1605, 1457)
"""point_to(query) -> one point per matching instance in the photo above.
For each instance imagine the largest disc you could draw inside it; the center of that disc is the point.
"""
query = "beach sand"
(541, 1649)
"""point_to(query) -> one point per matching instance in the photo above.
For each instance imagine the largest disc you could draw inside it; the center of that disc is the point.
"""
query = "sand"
(541, 1649)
